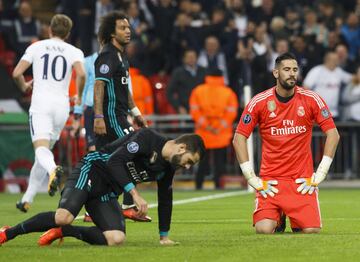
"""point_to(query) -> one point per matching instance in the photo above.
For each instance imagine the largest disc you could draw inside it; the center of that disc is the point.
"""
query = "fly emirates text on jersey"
(287, 129)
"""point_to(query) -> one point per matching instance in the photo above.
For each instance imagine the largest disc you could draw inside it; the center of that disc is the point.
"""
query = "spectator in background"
(142, 91)
(293, 22)
(183, 37)
(238, 10)
(307, 57)
(278, 29)
(265, 12)
(183, 80)
(164, 14)
(240, 67)
(351, 33)
(213, 106)
(261, 49)
(326, 80)
(344, 62)
(70, 8)
(102, 8)
(86, 22)
(351, 98)
(137, 22)
(329, 15)
(27, 28)
(199, 17)
(212, 57)
(333, 41)
(281, 47)
(312, 28)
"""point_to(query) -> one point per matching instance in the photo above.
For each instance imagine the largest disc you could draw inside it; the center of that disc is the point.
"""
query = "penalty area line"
(196, 199)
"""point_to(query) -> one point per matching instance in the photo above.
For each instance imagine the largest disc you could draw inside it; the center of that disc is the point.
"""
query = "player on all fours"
(287, 183)
(52, 62)
(101, 176)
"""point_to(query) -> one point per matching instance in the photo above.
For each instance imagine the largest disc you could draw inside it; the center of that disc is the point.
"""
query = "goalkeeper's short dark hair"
(194, 143)
(285, 56)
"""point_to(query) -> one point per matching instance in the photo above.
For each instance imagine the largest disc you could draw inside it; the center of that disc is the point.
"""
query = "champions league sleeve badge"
(132, 147)
(325, 113)
(104, 68)
(246, 119)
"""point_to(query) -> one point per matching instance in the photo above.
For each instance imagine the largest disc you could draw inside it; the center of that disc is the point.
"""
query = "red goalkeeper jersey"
(286, 130)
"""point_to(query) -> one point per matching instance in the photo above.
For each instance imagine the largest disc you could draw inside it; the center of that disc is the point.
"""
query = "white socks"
(37, 176)
(45, 158)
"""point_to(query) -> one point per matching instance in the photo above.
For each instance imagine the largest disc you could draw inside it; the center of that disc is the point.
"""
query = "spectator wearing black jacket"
(183, 80)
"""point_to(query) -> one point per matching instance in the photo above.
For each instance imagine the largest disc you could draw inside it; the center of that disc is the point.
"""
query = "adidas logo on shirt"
(272, 115)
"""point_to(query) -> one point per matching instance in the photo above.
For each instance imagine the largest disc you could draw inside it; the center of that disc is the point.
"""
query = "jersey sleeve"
(136, 146)
(104, 67)
(78, 56)
(249, 118)
(165, 199)
(29, 54)
(321, 113)
(311, 78)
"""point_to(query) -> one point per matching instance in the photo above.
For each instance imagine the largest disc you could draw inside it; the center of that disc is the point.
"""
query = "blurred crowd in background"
(175, 44)
(239, 37)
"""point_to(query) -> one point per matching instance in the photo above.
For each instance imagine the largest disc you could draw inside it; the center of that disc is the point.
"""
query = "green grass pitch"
(212, 230)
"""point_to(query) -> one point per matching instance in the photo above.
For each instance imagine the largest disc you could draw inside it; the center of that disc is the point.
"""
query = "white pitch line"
(196, 199)
(209, 221)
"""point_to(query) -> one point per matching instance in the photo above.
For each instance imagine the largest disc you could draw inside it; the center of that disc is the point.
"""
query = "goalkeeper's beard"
(286, 85)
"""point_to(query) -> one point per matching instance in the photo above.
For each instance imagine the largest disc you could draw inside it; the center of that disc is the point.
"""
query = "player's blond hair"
(61, 25)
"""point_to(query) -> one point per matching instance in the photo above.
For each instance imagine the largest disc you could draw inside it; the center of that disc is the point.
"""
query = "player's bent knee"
(266, 226)
(114, 237)
(311, 230)
(264, 230)
(63, 217)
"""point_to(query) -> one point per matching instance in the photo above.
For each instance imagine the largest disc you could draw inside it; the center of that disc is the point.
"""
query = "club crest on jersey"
(325, 113)
(271, 106)
(133, 147)
(301, 111)
(246, 119)
(104, 68)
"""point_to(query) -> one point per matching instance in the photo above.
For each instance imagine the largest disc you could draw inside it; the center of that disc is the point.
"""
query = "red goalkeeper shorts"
(302, 210)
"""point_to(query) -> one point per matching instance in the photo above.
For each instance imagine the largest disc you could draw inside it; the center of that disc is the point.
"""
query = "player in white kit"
(52, 63)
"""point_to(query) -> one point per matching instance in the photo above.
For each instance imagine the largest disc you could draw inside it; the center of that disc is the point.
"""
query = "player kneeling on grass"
(101, 176)
(286, 185)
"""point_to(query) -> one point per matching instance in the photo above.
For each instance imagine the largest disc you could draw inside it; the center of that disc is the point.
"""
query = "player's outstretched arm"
(308, 185)
(265, 188)
(99, 123)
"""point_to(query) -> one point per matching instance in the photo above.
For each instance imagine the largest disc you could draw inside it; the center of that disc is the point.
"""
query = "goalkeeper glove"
(265, 188)
(308, 185)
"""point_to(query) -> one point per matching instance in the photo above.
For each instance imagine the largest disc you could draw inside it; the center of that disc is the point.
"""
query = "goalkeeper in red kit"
(287, 183)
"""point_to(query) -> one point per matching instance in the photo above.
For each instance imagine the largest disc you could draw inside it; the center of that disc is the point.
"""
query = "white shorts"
(47, 125)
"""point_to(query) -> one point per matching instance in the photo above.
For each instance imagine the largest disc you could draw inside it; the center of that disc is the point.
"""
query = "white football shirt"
(52, 61)
(327, 84)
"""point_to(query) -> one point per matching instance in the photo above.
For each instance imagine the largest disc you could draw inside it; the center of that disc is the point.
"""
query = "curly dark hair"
(107, 26)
